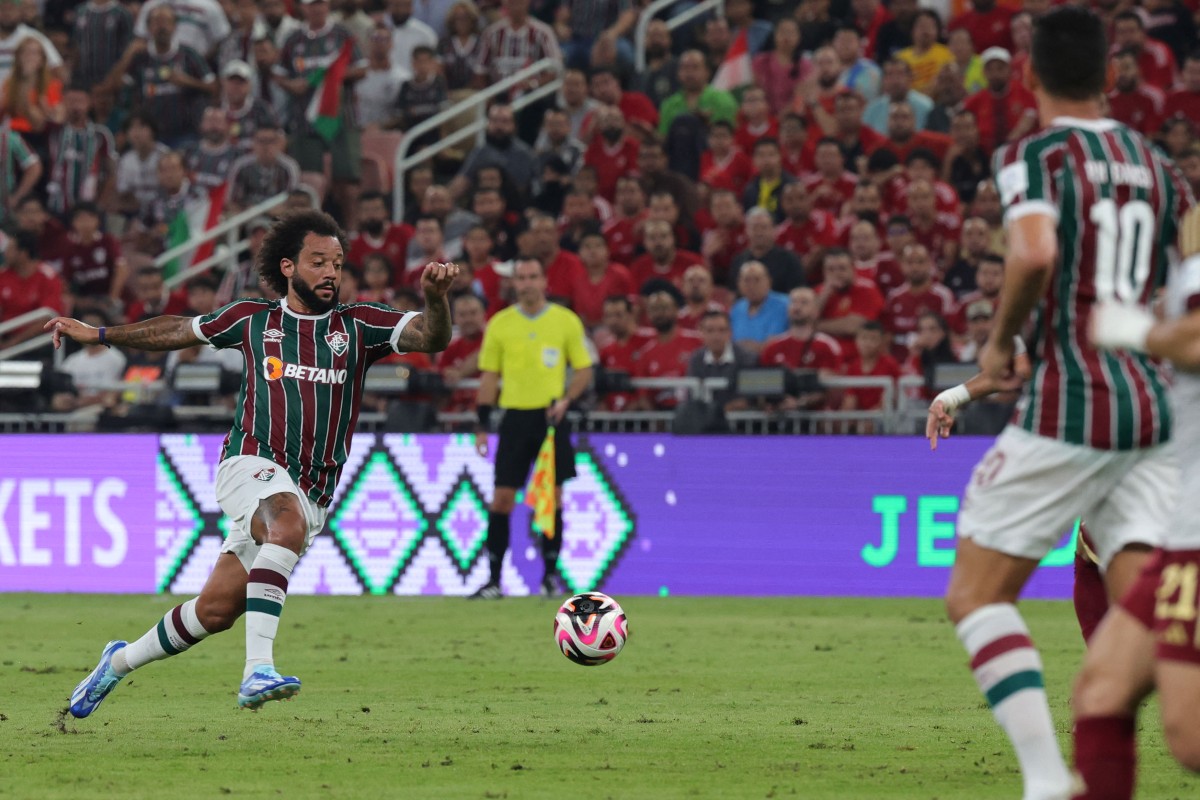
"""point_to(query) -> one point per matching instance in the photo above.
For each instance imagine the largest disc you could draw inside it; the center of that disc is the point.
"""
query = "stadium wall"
(648, 514)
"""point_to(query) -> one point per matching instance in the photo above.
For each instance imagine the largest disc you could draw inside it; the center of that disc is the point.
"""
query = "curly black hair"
(285, 239)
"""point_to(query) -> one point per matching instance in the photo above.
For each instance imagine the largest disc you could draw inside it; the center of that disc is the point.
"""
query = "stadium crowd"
(800, 185)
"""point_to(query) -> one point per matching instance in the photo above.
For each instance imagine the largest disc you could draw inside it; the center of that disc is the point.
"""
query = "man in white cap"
(1005, 111)
(245, 112)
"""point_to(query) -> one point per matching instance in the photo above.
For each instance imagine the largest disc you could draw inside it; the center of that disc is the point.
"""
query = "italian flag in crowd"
(540, 494)
(325, 109)
(199, 214)
(734, 71)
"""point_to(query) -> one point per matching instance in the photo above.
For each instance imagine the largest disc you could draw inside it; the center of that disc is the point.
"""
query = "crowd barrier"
(647, 515)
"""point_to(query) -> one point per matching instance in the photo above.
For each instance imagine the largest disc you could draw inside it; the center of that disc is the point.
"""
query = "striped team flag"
(540, 493)
(198, 215)
(325, 109)
(735, 71)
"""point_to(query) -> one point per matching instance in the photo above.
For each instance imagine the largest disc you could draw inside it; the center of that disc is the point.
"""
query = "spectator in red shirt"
(845, 301)
(1004, 111)
(378, 234)
(794, 147)
(460, 360)
(151, 298)
(30, 215)
(870, 261)
(831, 186)
(666, 356)
(873, 361)
(612, 152)
(919, 294)
(92, 264)
(1131, 101)
(699, 297)
(602, 279)
(806, 231)
(625, 340)
(728, 238)
(802, 346)
(1184, 101)
(624, 231)
(636, 108)
(26, 284)
(938, 232)
(662, 259)
(723, 165)
(565, 275)
(990, 25)
(903, 136)
(376, 285)
(756, 122)
(1155, 59)
(664, 206)
(922, 165)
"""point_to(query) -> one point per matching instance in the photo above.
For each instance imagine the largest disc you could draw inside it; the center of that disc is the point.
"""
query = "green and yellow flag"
(540, 495)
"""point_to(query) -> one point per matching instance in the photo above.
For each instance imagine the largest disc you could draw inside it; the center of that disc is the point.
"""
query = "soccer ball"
(590, 628)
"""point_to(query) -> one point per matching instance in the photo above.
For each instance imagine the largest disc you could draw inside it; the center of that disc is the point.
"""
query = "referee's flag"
(540, 493)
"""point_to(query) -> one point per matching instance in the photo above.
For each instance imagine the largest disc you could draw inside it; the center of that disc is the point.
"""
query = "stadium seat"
(376, 174)
(317, 183)
(383, 146)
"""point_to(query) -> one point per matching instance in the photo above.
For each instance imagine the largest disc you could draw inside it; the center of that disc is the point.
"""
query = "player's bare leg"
(216, 609)
(1179, 690)
(981, 602)
(266, 591)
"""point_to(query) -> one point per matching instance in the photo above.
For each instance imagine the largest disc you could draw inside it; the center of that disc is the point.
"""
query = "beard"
(374, 227)
(663, 325)
(313, 301)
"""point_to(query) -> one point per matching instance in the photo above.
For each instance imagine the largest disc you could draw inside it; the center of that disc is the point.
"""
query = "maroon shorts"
(1166, 599)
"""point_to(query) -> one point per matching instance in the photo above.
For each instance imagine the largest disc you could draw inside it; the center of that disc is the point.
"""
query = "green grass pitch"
(441, 698)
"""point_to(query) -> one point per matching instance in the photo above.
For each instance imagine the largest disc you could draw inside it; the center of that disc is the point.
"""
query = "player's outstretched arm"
(158, 333)
(430, 332)
(940, 420)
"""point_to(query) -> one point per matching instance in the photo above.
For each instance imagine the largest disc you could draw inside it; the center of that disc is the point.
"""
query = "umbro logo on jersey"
(265, 474)
(272, 335)
(338, 341)
(274, 369)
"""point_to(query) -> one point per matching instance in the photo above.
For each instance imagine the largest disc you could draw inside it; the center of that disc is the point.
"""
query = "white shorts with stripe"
(242, 481)
(1029, 489)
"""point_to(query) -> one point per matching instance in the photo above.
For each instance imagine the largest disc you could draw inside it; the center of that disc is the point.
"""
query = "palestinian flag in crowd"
(199, 214)
(735, 71)
(325, 109)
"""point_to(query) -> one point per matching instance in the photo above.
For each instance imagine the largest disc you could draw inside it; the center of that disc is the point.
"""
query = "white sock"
(266, 591)
(1008, 670)
(178, 630)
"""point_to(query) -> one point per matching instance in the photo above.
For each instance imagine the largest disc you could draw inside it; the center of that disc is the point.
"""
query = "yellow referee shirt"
(531, 354)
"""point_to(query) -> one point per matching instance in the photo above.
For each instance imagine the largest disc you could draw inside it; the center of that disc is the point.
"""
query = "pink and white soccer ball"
(590, 628)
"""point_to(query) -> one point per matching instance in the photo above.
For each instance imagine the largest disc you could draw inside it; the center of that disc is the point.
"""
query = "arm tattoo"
(428, 333)
(159, 333)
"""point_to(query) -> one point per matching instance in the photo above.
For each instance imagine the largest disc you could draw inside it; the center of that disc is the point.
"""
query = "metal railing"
(35, 343)
(228, 228)
(639, 33)
(478, 103)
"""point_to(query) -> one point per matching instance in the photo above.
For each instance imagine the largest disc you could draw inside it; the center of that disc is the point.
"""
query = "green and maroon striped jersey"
(302, 382)
(1117, 202)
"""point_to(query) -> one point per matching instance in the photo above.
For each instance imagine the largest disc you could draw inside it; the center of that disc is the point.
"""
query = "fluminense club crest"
(338, 341)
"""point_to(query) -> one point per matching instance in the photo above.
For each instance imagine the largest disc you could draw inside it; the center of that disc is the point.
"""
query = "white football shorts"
(242, 481)
(1028, 490)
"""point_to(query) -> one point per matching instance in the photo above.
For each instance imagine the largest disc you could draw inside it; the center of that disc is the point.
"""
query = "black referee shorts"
(521, 436)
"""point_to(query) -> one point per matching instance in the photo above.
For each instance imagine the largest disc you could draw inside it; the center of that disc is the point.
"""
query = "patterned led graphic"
(379, 523)
(178, 524)
(463, 524)
(598, 524)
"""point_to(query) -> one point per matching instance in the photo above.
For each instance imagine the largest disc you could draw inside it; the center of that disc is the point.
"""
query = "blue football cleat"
(92, 690)
(264, 685)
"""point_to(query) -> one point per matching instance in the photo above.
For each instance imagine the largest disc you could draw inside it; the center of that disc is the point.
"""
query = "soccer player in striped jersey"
(306, 356)
(1091, 209)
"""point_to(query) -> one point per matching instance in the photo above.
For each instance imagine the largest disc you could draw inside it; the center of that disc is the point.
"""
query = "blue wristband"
(106, 344)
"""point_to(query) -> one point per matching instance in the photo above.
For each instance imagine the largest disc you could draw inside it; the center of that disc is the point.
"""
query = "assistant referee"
(529, 346)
